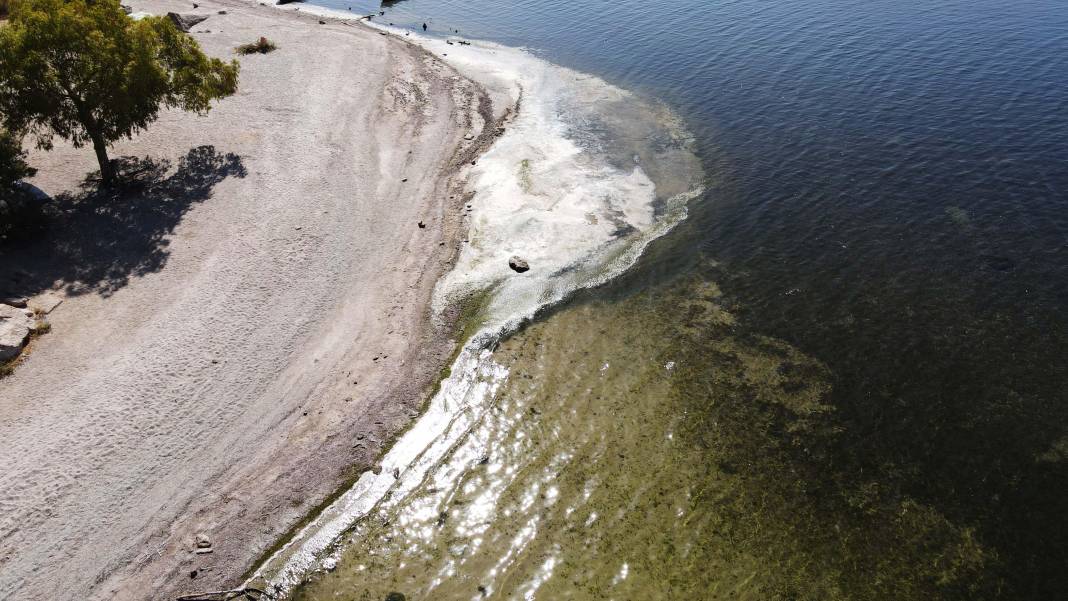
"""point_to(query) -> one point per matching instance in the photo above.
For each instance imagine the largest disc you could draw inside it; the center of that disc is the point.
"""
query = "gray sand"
(229, 385)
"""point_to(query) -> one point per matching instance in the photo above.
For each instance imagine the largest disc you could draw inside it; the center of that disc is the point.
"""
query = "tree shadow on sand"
(98, 238)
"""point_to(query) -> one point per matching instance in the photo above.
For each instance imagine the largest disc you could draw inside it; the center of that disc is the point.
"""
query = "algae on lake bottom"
(652, 448)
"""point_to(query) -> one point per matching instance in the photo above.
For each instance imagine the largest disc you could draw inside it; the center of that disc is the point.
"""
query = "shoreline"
(536, 183)
(133, 537)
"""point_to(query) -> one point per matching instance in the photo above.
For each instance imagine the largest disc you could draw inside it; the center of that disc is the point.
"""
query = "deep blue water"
(889, 193)
(914, 138)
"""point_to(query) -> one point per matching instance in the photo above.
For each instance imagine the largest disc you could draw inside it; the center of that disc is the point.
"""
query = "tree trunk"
(107, 170)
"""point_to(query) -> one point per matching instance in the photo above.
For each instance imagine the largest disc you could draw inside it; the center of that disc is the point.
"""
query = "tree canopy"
(87, 72)
(13, 165)
(17, 207)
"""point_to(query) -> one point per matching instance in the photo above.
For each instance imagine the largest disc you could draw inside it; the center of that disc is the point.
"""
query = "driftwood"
(237, 594)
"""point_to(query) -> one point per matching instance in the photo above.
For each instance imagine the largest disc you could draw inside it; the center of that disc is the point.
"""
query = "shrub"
(262, 46)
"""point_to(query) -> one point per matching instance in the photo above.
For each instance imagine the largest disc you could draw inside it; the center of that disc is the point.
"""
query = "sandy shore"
(244, 334)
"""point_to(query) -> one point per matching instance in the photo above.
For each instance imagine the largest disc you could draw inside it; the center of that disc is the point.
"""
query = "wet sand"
(243, 335)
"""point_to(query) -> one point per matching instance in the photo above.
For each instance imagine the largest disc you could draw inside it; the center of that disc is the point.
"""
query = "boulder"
(185, 22)
(518, 265)
(15, 326)
(126, 9)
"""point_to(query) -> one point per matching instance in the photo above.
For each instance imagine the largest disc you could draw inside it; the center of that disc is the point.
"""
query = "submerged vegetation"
(792, 493)
(655, 446)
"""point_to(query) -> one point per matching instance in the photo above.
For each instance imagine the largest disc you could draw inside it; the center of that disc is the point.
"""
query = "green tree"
(13, 165)
(87, 72)
(18, 208)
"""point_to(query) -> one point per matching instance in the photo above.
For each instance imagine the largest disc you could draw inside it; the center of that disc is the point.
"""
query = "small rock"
(203, 542)
(322, 22)
(422, 225)
(518, 265)
(376, 470)
(469, 137)
(203, 551)
(404, 179)
(395, 596)
(126, 9)
(222, 12)
(193, 573)
(185, 22)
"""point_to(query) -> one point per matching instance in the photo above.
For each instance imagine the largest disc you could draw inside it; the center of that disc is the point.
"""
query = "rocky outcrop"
(15, 327)
(185, 22)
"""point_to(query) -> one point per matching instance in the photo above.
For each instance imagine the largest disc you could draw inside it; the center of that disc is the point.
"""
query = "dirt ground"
(244, 330)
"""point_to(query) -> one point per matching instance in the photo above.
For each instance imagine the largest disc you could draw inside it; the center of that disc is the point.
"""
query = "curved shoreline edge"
(634, 209)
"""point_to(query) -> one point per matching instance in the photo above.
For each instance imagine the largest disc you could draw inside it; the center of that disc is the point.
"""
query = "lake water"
(843, 376)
